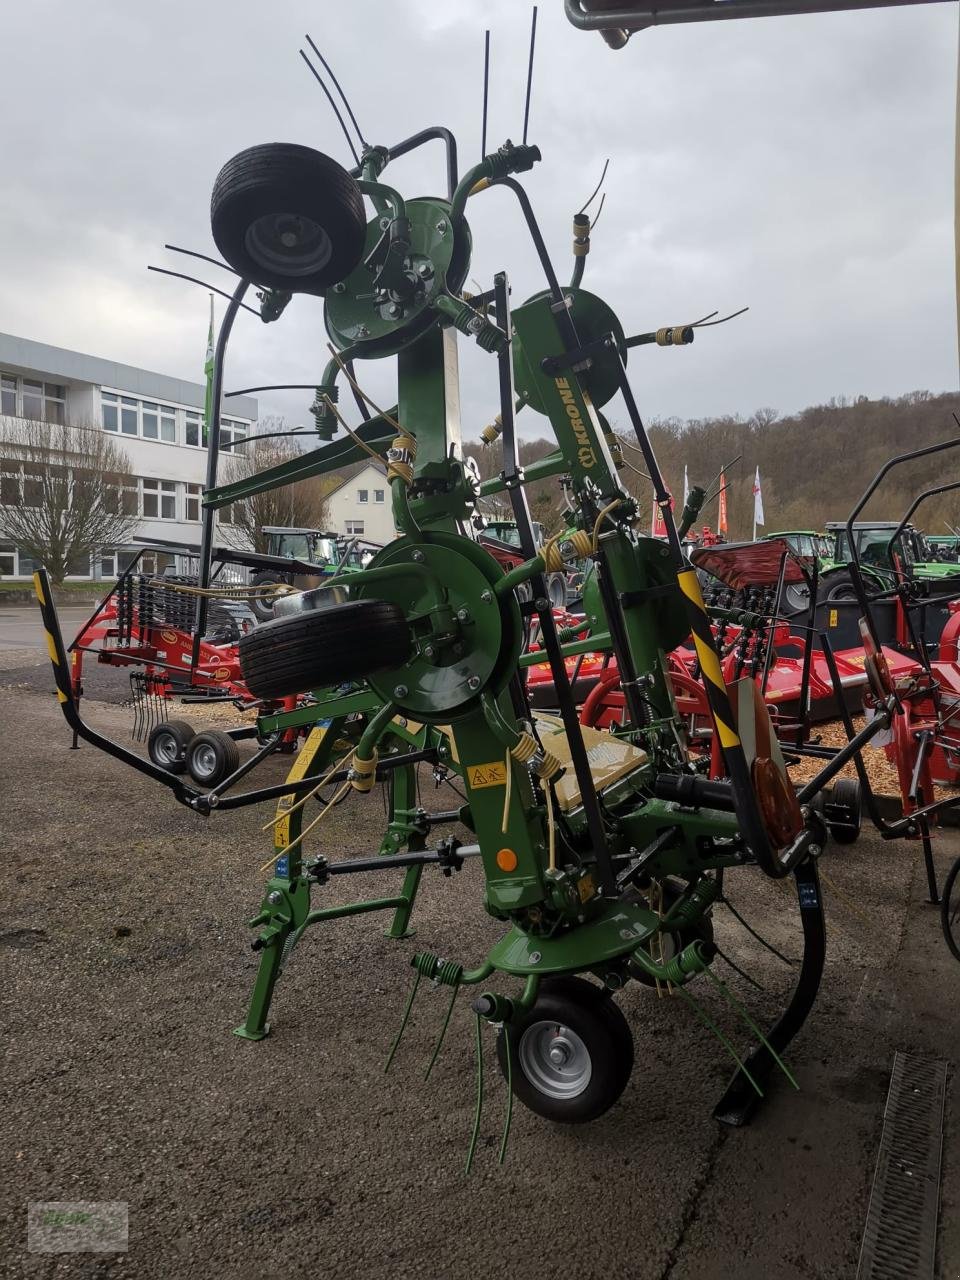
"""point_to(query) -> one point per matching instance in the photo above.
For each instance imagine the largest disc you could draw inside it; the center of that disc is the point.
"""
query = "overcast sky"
(803, 166)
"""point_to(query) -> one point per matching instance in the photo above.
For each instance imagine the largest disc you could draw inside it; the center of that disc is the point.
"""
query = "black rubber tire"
(226, 757)
(262, 606)
(838, 586)
(281, 186)
(587, 1010)
(846, 795)
(950, 914)
(168, 743)
(323, 647)
(557, 591)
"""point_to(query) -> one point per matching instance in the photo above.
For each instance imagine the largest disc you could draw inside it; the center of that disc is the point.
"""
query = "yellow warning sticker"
(487, 775)
(834, 618)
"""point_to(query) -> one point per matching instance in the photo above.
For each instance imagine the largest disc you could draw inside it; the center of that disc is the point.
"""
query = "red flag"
(722, 513)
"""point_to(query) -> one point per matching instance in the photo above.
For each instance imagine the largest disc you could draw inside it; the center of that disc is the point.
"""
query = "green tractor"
(502, 540)
(882, 557)
(805, 542)
(331, 553)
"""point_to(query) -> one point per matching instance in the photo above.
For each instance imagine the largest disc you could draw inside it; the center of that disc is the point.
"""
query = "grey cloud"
(803, 166)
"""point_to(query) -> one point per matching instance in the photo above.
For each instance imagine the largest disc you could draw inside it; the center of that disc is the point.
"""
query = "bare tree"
(301, 505)
(63, 493)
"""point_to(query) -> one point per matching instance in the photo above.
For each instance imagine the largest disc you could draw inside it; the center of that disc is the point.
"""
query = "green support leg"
(281, 918)
(402, 830)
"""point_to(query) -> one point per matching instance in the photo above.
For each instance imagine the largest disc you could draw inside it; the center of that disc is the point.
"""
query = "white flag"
(686, 485)
(757, 500)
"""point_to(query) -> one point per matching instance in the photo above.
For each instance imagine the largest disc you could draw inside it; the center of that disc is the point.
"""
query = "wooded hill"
(814, 465)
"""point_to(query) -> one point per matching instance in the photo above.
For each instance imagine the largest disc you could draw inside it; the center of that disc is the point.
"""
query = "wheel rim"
(288, 242)
(798, 597)
(166, 749)
(555, 1060)
(204, 761)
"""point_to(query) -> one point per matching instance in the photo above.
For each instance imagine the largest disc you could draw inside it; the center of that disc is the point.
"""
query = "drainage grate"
(900, 1237)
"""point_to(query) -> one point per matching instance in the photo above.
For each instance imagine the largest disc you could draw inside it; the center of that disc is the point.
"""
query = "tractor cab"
(805, 542)
(313, 545)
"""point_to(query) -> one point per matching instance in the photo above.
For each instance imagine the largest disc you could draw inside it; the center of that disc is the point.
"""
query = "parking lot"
(127, 964)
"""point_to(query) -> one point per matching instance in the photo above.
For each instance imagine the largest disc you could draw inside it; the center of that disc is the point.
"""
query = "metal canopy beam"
(589, 15)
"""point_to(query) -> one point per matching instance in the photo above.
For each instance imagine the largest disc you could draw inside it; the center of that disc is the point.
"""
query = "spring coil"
(400, 459)
(447, 973)
(690, 911)
(543, 763)
(492, 433)
(364, 772)
(579, 545)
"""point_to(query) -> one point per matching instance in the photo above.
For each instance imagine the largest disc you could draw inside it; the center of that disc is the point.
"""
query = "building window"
(193, 502)
(192, 430)
(109, 412)
(130, 417)
(225, 515)
(354, 526)
(232, 434)
(378, 495)
(159, 422)
(159, 499)
(33, 475)
(8, 559)
(43, 401)
(363, 495)
(10, 483)
(106, 564)
(124, 496)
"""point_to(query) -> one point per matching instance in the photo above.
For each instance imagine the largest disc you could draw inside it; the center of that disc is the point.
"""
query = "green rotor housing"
(438, 262)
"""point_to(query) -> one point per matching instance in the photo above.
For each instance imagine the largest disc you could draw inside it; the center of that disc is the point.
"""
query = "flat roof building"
(158, 422)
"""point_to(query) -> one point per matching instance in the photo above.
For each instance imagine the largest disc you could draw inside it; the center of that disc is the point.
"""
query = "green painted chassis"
(577, 916)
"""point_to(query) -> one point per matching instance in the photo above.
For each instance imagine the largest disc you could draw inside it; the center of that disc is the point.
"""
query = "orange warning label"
(487, 775)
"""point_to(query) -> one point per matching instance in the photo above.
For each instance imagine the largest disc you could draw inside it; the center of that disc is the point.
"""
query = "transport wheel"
(288, 217)
(571, 1054)
(323, 647)
(262, 605)
(557, 591)
(168, 743)
(950, 909)
(843, 810)
(839, 587)
(211, 757)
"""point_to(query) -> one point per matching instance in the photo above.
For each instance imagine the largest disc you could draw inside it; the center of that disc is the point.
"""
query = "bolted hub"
(466, 640)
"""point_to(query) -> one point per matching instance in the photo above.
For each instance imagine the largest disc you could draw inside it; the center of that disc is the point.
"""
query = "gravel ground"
(127, 964)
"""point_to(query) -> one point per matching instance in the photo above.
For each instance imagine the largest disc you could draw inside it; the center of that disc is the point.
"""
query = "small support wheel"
(288, 217)
(168, 743)
(843, 810)
(211, 757)
(571, 1053)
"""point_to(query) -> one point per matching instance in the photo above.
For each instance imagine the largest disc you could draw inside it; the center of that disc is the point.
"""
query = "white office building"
(158, 422)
